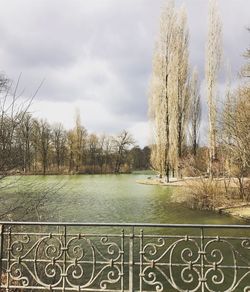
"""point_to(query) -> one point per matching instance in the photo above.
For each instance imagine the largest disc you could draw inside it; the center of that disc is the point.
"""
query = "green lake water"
(118, 198)
(100, 198)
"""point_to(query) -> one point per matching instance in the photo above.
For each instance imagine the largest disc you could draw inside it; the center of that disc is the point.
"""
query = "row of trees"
(175, 104)
(172, 93)
(29, 145)
(235, 133)
(175, 113)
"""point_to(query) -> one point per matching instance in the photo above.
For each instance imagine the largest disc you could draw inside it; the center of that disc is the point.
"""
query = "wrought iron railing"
(124, 257)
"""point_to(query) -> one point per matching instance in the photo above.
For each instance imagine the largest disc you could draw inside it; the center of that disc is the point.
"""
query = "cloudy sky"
(96, 55)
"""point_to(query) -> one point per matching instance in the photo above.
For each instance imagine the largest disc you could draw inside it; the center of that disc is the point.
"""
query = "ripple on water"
(106, 198)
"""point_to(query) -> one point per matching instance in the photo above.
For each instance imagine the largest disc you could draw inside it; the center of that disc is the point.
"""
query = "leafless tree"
(59, 144)
(245, 72)
(213, 60)
(169, 98)
(195, 111)
(159, 91)
(180, 97)
(43, 133)
(237, 135)
(79, 136)
(13, 111)
(121, 143)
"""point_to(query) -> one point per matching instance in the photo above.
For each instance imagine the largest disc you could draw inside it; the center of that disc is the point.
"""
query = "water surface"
(101, 198)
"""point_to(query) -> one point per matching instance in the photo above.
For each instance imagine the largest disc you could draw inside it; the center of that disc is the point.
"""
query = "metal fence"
(124, 257)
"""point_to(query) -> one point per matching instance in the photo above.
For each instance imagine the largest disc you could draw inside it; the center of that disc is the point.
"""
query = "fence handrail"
(121, 224)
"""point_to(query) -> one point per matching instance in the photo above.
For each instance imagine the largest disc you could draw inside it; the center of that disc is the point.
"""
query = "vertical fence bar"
(122, 261)
(131, 260)
(64, 275)
(141, 260)
(8, 260)
(1, 252)
(202, 254)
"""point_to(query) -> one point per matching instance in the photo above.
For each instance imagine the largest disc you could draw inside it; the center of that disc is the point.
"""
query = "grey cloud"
(101, 50)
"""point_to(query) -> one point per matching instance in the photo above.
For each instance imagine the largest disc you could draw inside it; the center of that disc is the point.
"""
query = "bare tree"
(169, 98)
(13, 110)
(195, 112)
(70, 147)
(93, 149)
(180, 97)
(100, 153)
(43, 132)
(237, 135)
(213, 60)
(121, 144)
(245, 72)
(24, 135)
(59, 142)
(80, 135)
(159, 100)
(107, 152)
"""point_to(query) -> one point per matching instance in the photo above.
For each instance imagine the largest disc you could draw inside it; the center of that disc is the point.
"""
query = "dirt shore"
(236, 208)
(240, 210)
(173, 182)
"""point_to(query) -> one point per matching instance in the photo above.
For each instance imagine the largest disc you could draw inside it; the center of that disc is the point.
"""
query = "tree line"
(33, 146)
(175, 99)
(175, 102)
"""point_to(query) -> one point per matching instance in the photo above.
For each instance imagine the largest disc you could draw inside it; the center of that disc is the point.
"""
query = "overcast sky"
(96, 55)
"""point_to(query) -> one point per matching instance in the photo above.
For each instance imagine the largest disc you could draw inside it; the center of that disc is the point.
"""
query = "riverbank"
(174, 182)
(235, 207)
(240, 210)
(187, 181)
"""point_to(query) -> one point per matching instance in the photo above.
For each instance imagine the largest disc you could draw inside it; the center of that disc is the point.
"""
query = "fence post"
(131, 261)
(1, 252)
(202, 254)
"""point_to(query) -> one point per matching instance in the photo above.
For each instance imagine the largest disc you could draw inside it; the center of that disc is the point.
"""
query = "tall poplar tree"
(213, 60)
(168, 99)
(195, 113)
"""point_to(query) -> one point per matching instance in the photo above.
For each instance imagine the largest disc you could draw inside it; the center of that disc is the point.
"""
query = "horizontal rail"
(94, 224)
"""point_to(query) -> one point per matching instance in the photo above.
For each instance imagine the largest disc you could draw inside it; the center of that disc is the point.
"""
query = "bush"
(207, 193)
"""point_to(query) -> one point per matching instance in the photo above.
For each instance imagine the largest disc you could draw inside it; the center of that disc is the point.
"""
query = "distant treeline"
(33, 146)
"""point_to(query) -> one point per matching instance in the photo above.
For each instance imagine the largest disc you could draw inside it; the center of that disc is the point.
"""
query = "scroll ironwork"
(124, 257)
